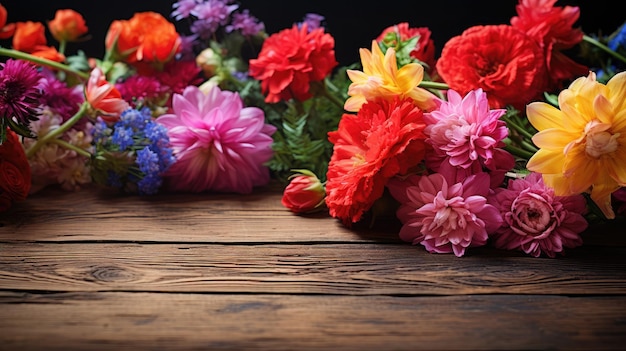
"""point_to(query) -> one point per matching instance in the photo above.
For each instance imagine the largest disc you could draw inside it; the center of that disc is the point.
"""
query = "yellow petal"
(617, 88)
(543, 116)
(553, 139)
(546, 162)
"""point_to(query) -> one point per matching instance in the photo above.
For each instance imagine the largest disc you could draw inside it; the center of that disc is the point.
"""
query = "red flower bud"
(305, 193)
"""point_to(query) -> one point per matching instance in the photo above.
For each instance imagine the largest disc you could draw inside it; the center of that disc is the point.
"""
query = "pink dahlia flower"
(445, 216)
(467, 138)
(536, 221)
(219, 145)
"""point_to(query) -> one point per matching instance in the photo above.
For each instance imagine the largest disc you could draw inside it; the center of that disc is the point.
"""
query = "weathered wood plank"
(137, 321)
(351, 269)
(92, 215)
(97, 215)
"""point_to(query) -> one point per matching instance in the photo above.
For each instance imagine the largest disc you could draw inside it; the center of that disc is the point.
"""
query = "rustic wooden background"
(99, 270)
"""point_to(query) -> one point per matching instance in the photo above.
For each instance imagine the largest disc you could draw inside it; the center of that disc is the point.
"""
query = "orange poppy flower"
(146, 37)
(67, 25)
(28, 36)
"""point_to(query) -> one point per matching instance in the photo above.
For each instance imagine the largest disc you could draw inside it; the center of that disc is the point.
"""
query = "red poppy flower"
(499, 59)
(292, 58)
(28, 36)
(384, 139)
(6, 29)
(552, 28)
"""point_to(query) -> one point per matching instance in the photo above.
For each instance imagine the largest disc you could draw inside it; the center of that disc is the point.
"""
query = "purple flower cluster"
(132, 154)
(208, 16)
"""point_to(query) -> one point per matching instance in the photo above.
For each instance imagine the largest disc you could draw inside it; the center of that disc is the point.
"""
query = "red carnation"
(502, 61)
(384, 139)
(15, 173)
(552, 28)
(291, 59)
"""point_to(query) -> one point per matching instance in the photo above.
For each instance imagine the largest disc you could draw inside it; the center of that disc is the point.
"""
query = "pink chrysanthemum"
(219, 144)
(536, 221)
(467, 138)
(445, 216)
(20, 87)
(59, 98)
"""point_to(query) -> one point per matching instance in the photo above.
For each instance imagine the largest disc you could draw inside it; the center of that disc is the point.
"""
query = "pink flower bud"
(305, 193)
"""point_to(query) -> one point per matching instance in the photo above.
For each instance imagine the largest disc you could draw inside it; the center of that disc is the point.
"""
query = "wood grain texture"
(350, 269)
(258, 217)
(132, 321)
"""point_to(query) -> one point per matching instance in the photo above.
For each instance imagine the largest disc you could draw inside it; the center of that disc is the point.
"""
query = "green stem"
(73, 147)
(526, 155)
(59, 131)
(604, 48)
(41, 61)
(518, 128)
(62, 45)
(433, 85)
(333, 98)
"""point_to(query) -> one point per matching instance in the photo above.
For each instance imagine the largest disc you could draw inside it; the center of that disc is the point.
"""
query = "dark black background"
(353, 24)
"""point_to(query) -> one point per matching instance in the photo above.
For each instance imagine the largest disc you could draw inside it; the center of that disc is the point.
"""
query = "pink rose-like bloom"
(467, 138)
(445, 216)
(536, 221)
(219, 145)
(305, 193)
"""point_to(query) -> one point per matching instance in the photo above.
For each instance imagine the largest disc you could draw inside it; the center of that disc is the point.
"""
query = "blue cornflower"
(619, 40)
(100, 131)
(135, 119)
(122, 137)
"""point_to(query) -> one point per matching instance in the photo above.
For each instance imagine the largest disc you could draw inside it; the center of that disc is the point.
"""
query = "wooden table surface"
(99, 270)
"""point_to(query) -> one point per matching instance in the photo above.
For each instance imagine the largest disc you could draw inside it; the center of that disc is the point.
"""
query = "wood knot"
(112, 274)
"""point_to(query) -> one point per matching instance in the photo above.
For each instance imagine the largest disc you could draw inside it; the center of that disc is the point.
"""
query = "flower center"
(599, 140)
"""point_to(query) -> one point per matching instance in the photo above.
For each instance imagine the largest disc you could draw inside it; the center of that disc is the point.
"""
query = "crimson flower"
(20, 90)
(552, 28)
(15, 173)
(382, 140)
(504, 62)
(290, 60)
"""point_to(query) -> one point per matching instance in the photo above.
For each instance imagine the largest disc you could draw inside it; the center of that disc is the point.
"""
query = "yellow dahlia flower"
(583, 145)
(382, 78)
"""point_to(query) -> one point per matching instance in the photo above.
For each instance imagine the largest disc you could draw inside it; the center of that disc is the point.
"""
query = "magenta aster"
(19, 93)
(445, 216)
(536, 221)
(219, 145)
(467, 138)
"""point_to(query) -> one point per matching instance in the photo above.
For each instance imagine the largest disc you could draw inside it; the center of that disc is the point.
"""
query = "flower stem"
(604, 48)
(519, 152)
(59, 131)
(41, 61)
(433, 85)
(72, 147)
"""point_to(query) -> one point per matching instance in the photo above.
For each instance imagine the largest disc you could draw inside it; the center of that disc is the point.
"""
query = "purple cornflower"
(246, 23)
(20, 89)
(183, 8)
(313, 21)
(211, 14)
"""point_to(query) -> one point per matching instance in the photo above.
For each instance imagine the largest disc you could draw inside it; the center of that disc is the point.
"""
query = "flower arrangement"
(505, 139)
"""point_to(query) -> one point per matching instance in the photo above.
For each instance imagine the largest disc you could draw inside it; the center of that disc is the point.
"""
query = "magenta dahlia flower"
(467, 138)
(444, 216)
(20, 84)
(536, 221)
(219, 145)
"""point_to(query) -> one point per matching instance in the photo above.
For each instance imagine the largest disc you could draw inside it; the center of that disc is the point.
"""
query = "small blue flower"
(123, 137)
(619, 40)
